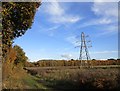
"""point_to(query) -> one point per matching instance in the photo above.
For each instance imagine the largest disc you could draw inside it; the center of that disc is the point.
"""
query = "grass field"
(62, 78)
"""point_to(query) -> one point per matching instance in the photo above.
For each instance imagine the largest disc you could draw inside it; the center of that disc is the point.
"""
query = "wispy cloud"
(106, 0)
(73, 40)
(108, 30)
(106, 9)
(67, 56)
(49, 30)
(107, 13)
(57, 14)
(106, 17)
(101, 21)
(80, 0)
(52, 28)
(103, 52)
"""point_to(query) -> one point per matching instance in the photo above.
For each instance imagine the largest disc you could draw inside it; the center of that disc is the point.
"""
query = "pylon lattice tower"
(84, 54)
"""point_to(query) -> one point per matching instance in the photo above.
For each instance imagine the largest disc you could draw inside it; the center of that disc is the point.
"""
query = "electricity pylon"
(84, 54)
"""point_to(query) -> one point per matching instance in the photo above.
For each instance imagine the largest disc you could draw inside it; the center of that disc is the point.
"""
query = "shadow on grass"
(118, 78)
(64, 85)
(67, 85)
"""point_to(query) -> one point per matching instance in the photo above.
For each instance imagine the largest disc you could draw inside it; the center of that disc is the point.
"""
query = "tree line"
(51, 63)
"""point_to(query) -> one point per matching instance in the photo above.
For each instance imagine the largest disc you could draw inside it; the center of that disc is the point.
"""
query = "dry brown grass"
(15, 77)
(12, 76)
(79, 78)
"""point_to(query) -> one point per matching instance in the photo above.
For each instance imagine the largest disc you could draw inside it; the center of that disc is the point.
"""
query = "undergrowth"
(15, 77)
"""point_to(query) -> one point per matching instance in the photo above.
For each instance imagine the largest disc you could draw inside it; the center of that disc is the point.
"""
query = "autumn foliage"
(17, 18)
(51, 63)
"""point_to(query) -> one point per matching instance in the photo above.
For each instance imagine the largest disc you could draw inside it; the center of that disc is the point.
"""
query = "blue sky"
(58, 25)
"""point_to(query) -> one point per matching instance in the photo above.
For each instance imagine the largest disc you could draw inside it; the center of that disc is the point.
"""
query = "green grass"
(32, 82)
(17, 78)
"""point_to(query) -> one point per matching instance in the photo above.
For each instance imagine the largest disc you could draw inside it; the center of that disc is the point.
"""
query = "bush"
(20, 55)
